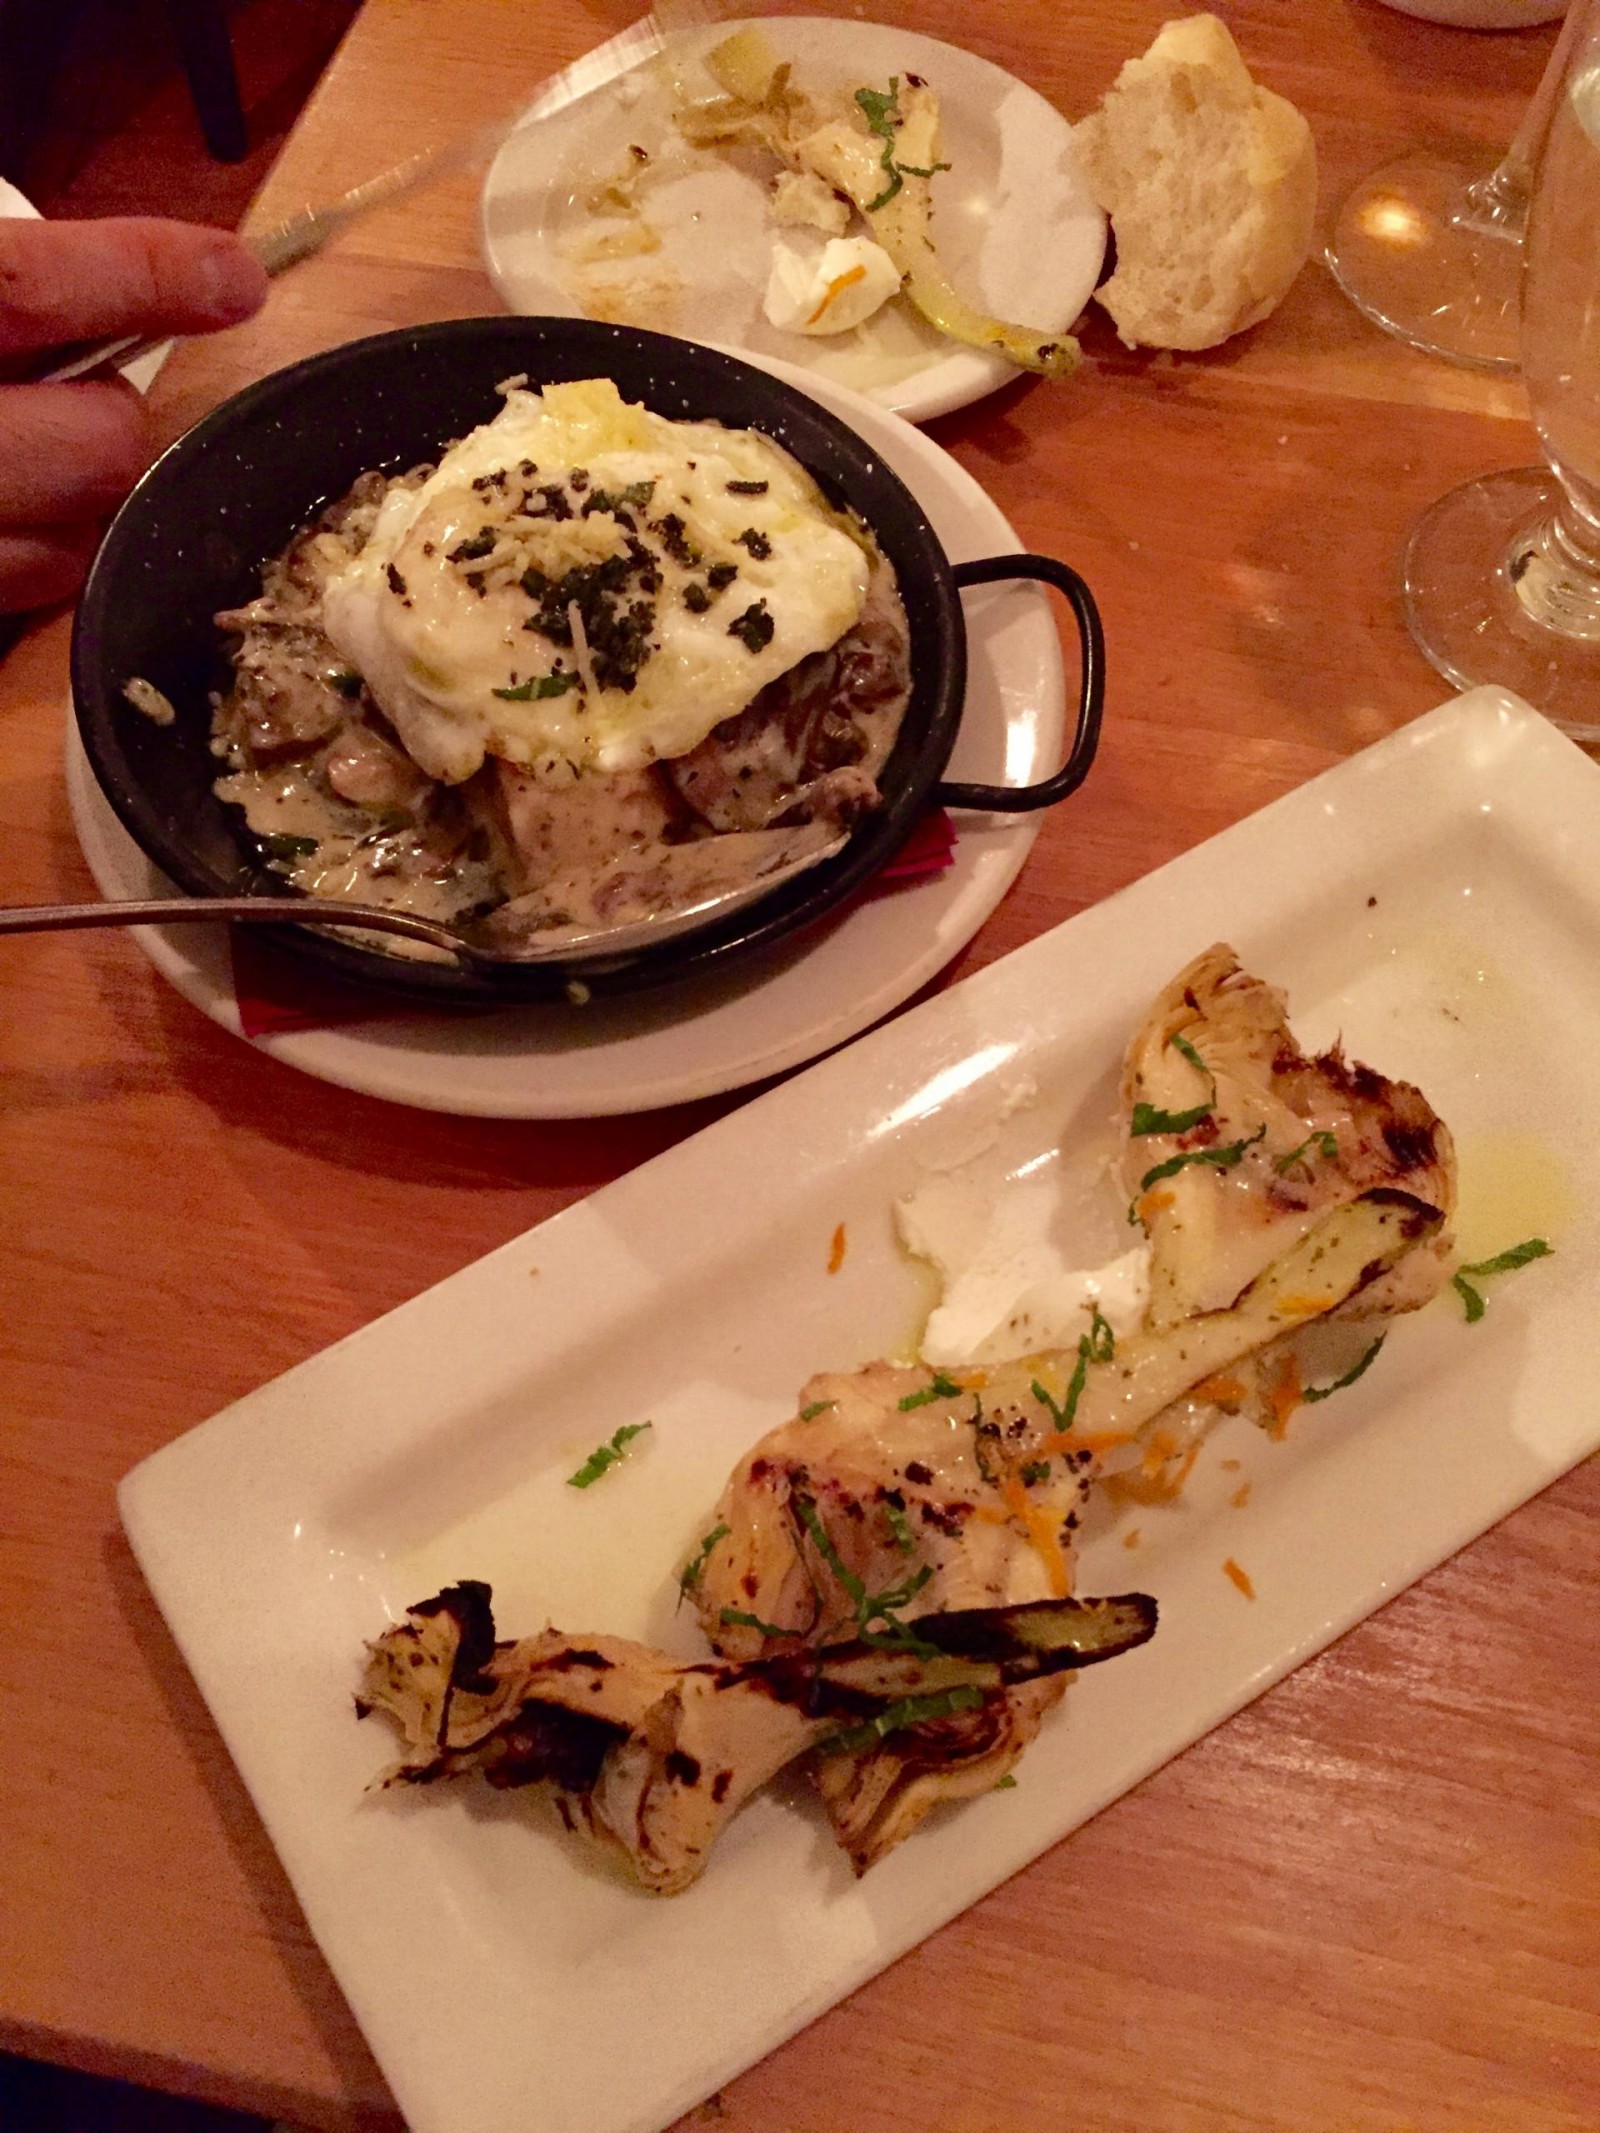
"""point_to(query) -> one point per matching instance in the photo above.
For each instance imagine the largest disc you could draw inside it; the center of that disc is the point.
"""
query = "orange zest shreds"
(1284, 1395)
(1096, 1441)
(1222, 1390)
(1159, 1450)
(1130, 1539)
(1153, 1202)
(1302, 1306)
(840, 281)
(969, 1380)
(836, 1250)
(1231, 1570)
(1240, 1497)
(1041, 1531)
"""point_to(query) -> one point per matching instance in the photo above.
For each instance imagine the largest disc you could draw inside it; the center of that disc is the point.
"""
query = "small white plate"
(1015, 221)
(1434, 901)
(679, 1042)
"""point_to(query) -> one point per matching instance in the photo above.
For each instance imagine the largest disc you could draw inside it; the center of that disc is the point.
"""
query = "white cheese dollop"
(830, 290)
(1008, 1288)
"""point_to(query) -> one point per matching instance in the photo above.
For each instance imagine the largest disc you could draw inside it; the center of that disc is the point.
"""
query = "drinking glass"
(1430, 246)
(1502, 576)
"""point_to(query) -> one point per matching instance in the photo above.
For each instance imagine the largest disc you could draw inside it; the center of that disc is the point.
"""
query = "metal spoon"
(468, 944)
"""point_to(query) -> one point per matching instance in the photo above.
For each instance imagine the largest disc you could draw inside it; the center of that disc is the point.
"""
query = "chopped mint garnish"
(606, 1455)
(1324, 1392)
(692, 1572)
(942, 1388)
(1505, 1262)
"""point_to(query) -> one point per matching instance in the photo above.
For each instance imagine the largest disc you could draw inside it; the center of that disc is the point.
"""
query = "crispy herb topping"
(636, 494)
(756, 542)
(754, 628)
(721, 575)
(607, 1455)
(555, 683)
(1505, 1262)
(397, 584)
(669, 530)
(474, 548)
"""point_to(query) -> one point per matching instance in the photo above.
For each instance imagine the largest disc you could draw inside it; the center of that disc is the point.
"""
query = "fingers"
(74, 281)
(68, 451)
(42, 564)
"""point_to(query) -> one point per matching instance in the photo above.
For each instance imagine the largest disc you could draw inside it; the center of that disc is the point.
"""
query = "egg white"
(433, 650)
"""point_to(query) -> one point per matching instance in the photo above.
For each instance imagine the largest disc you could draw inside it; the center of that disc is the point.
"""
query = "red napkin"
(278, 993)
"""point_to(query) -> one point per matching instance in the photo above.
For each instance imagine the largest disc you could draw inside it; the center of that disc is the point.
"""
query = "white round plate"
(683, 1041)
(1014, 219)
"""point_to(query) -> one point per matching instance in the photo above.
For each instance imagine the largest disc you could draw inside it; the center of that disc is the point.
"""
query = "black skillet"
(192, 537)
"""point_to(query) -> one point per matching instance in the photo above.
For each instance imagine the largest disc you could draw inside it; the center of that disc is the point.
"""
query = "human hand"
(70, 453)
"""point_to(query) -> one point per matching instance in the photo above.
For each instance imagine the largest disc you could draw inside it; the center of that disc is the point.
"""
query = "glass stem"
(1497, 205)
(1554, 567)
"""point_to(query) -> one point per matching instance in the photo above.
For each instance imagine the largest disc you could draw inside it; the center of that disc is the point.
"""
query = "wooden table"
(1370, 1902)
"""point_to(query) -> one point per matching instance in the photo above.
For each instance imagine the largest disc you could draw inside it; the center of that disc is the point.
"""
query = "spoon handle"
(246, 910)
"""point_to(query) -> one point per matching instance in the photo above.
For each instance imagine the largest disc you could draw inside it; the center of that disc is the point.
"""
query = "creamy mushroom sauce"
(340, 809)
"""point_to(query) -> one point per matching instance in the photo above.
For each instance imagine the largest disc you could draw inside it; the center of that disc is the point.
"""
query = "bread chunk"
(1211, 185)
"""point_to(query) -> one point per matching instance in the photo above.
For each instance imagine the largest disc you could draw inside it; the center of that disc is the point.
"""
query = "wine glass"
(1502, 576)
(1430, 246)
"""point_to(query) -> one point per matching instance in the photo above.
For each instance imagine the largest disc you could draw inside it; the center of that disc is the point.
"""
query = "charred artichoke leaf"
(654, 1757)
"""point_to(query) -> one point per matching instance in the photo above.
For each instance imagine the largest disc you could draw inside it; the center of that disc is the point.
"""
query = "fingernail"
(229, 283)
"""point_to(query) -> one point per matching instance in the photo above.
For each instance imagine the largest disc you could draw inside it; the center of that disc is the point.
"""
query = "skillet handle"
(1022, 799)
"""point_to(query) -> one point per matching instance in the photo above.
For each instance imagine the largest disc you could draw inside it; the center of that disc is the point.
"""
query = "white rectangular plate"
(1436, 901)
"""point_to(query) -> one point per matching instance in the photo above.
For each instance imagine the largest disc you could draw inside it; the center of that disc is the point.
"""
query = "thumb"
(72, 281)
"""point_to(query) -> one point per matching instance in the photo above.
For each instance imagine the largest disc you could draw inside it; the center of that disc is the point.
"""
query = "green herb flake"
(909, 1711)
(869, 1607)
(1006, 1784)
(817, 1407)
(281, 845)
(904, 1539)
(1356, 1370)
(1035, 1470)
(694, 1570)
(754, 628)
(606, 1455)
(1223, 1158)
(1147, 1118)
(539, 686)
(1506, 1262)
(881, 110)
(942, 1388)
(736, 1618)
(1098, 1345)
(1326, 1145)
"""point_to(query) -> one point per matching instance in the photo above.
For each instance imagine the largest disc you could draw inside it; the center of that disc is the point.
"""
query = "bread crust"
(1211, 185)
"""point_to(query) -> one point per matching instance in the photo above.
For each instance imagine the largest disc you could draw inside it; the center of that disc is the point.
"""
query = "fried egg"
(583, 585)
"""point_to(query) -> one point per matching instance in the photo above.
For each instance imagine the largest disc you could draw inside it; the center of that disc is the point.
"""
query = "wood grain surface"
(1370, 1904)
